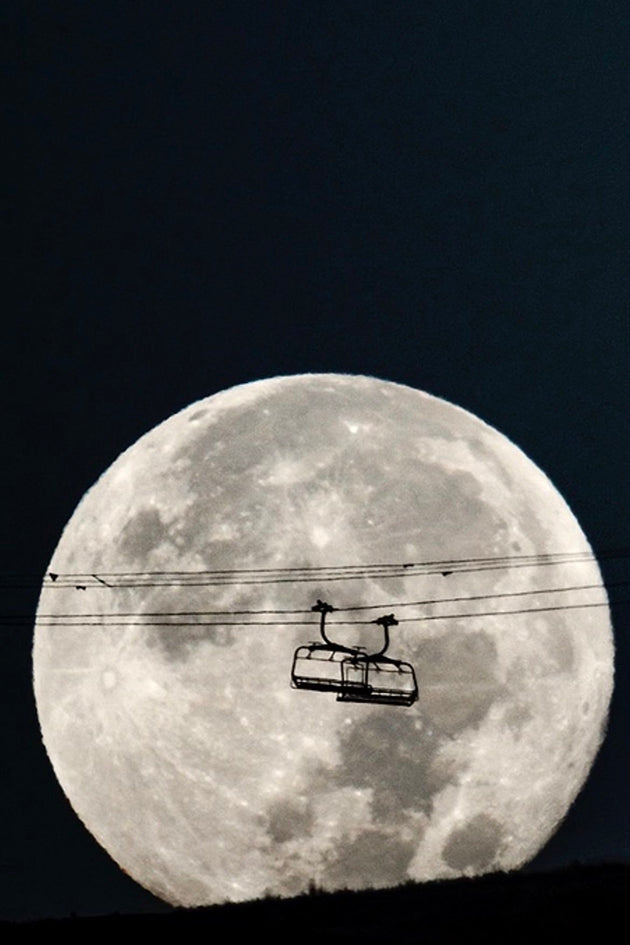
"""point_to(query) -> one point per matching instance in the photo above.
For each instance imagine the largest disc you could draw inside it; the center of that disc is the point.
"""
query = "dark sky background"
(434, 193)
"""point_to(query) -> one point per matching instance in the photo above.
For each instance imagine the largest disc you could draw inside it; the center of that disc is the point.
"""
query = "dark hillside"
(515, 908)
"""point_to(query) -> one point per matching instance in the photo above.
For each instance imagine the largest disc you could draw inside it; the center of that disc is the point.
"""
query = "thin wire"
(499, 613)
(361, 607)
(100, 622)
(246, 576)
(453, 600)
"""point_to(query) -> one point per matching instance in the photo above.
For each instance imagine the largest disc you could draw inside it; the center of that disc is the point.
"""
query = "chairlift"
(354, 675)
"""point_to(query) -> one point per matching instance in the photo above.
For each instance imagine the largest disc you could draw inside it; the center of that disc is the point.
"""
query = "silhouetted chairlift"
(354, 675)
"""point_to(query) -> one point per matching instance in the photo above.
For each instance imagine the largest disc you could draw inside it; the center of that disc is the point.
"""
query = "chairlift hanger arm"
(323, 608)
(387, 621)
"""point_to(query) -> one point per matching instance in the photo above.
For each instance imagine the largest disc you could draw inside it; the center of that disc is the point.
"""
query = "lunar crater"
(109, 678)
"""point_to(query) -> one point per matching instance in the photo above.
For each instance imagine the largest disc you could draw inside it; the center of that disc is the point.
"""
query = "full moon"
(185, 582)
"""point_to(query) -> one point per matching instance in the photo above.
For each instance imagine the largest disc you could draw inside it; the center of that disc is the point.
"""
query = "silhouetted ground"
(502, 908)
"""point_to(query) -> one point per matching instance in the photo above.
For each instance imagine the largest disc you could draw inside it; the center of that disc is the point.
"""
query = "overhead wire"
(116, 619)
(115, 580)
(255, 576)
(304, 611)
(100, 622)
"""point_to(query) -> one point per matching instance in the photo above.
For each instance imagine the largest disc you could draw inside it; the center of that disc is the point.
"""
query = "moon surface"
(162, 668)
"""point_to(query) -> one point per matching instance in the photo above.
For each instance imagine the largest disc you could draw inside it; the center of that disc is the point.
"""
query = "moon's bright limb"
(185, 751)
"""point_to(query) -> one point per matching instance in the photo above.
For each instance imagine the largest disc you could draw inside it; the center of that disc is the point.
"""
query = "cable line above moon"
(185, 618)
(211, 578)
(60, 617)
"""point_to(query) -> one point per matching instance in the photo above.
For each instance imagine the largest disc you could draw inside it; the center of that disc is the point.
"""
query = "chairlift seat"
(382, 681)
(318, 667)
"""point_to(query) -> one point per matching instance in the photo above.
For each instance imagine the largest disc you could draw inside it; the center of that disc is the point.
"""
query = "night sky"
(205, 194)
